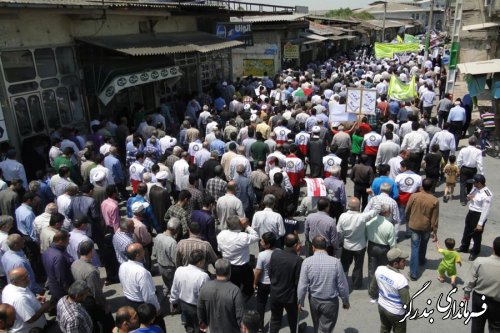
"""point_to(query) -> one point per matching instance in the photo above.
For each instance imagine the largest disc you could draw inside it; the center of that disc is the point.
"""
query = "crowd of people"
(186, 192)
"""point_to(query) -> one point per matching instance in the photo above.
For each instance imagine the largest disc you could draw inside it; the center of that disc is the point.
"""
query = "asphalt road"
(363, 315)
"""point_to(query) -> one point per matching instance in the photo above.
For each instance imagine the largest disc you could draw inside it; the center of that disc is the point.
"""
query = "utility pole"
(383, 22)
(428, 34)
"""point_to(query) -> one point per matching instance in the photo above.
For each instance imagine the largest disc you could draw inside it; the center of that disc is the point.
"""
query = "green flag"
(411, 39)
(402, 91)
(388, 50)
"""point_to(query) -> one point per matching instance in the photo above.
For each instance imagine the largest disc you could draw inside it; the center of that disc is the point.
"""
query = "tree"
(345, 13)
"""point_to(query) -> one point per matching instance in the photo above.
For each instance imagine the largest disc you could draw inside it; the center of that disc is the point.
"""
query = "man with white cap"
(99, 160)
(315, 152)
(136, 171)
(141, 233)
(203, 117)
(391, 289)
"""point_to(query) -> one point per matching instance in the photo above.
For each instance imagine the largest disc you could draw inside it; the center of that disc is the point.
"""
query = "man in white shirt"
(480, 198)
(64, 204)
(387, 150)
(267, 220)
(446, 142)
(180, 170)
(415, 143)
(137, 282)
(391, 289)
(30, 311)
(136, 170)
(42, 220)
(469, 162)
(167, 142)
(234, 244)
(351, 231)
(427, 101)
(186, 287)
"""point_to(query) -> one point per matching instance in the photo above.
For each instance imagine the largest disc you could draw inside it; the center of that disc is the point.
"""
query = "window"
(36, 113)
(75, 102)
(50, 106)
(23, 87)
(63, 103)
(22, 116)
(45, 63)
(18, 66)
(65, 60)
(49, 83)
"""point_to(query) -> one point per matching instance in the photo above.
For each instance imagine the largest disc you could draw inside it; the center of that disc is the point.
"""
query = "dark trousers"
(159, 321)
(190, 314)
(100, 318)
(466, 176)
(456, 129)
(442, 118)
(324, 314)
(377, 256)
(277, 312)
(108, 256)
(336, 209)
(167, 275)
(316, 170)
(470, 232)
(242, 276)
(32, 251)
(353, 159)
(295, 196)
(123, 191)
(491, 314)
(415, 161)
(262, 296)
(361, 194)
(389, 322)
(343, 153)
(446, 155)
(347, 258)
(258, 194)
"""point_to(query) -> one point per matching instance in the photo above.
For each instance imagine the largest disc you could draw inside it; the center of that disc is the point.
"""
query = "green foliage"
(345, 13)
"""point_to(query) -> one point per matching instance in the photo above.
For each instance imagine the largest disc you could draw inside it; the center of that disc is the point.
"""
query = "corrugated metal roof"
(332, 19)
(480, 67)
(312, 36)
(324, 30)
(480, 26)
(388, 24)
(104, 4)
(166, 43)
(341, 37)
(269, 18)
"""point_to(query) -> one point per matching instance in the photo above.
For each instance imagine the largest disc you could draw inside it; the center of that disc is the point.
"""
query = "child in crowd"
(291, 225)
(451, 172)
(448, 264)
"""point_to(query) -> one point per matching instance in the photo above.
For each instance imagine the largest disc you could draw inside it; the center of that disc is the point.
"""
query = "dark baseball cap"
(480, 179)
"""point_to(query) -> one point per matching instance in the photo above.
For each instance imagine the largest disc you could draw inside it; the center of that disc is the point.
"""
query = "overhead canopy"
(480, 67)
(480, 26)
(313, 37)
(162, 43)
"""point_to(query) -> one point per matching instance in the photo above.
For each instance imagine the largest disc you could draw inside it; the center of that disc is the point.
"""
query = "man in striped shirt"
(123, 238)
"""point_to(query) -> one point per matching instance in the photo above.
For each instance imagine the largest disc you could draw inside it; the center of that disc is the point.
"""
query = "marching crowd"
(186, 190)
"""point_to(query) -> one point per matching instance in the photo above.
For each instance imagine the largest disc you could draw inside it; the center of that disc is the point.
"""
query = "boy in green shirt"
(450, 258)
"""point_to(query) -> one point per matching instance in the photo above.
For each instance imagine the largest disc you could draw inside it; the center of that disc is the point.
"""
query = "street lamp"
(385, 14)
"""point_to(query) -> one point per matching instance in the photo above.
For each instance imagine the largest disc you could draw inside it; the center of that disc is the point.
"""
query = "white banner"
(129, 80)
(360, 100)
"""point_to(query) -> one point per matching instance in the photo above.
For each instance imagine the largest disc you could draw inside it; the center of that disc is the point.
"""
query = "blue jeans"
(419, 240)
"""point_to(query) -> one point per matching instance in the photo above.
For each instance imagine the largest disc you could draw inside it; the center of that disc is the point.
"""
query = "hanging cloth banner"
(402, 91)
(388, 50)
(129, 80)
(315, 187)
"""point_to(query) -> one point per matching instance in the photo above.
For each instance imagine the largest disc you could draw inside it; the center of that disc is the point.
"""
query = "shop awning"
(312, 36)
(480, 67)
(162, 43)
(120, 82)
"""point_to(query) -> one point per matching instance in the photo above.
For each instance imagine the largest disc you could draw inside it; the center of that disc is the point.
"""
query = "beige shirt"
(46, 237)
